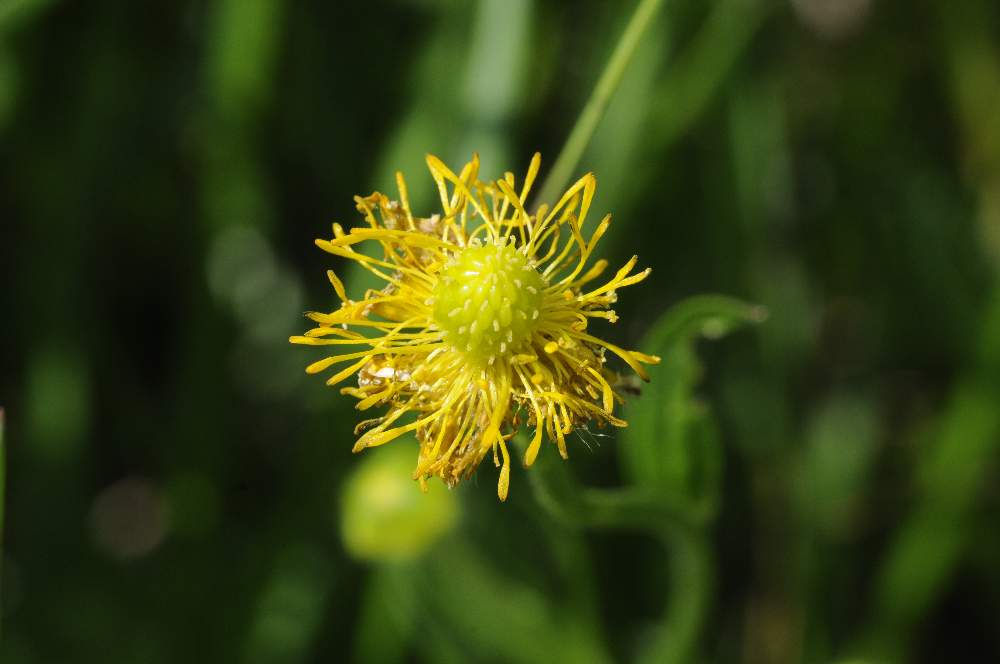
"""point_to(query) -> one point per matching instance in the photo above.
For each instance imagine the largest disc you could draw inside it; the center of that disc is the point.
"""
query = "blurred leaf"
(9, 86)
(835, 464)
(290, 608)
(703, 66)
(925, 550)
(3, 502)
(58, 408)
(242, 56)
(387, 615)
(492, 613)
(15, 13)
(671, 442)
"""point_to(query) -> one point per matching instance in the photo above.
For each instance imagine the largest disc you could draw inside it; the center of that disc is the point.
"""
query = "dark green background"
(174, 476)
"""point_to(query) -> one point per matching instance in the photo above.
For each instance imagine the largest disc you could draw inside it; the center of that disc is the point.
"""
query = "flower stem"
(681, 530)
(592, 113)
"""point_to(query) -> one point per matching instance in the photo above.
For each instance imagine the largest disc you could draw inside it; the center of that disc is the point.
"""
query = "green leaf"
(671, 443)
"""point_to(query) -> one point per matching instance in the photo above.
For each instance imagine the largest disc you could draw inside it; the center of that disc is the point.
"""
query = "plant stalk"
(593, 111)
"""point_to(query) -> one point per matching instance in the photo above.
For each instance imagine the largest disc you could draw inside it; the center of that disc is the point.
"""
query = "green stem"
(681, 530)
(591, 115)
(675, 638)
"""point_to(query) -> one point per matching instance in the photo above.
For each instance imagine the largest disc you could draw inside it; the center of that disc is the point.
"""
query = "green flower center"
(487, 301)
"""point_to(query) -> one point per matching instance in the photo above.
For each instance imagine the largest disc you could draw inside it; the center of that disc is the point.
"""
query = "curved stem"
(591, 114)
(678, 526)
(691, 582)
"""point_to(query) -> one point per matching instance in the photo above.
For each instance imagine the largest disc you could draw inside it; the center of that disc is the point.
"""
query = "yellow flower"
(482, 324)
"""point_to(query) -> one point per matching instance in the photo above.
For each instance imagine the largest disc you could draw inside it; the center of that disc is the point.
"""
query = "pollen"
(483, 301)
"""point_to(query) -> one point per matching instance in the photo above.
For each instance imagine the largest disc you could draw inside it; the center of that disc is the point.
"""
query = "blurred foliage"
(818, 487)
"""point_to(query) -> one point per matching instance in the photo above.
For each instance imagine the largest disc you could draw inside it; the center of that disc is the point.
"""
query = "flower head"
(482, 324)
